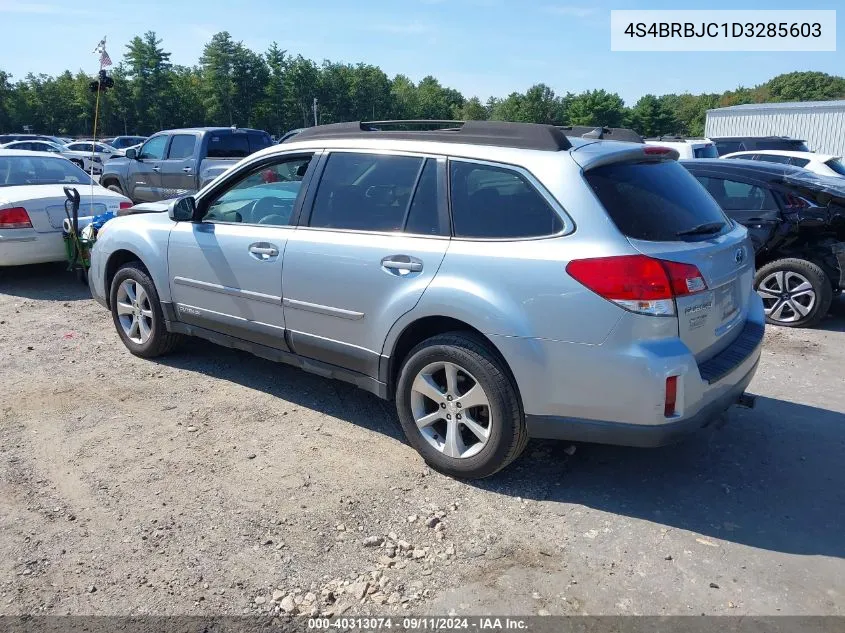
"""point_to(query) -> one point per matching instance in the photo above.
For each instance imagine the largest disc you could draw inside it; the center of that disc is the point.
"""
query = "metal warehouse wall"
(822, 128)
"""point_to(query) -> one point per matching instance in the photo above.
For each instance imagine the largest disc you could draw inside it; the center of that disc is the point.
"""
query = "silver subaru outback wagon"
(499, 281)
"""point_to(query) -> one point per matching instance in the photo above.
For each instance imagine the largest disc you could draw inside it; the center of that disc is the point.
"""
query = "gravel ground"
(212, 482)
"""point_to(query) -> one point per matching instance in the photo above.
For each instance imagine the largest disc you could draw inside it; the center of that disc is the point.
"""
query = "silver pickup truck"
(174, 163)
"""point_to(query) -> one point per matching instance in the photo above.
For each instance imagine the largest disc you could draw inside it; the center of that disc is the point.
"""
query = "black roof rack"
(495, 133)
(675, 137)
(603, 133)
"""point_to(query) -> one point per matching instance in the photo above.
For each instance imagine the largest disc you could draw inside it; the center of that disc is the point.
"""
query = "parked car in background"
(80, 159)
(123, 142)
(796, 220)
(498, 280)
(32, 204)
(177, 162)
(686, 147)
(822, 164)
(731, 144)
(9, 138)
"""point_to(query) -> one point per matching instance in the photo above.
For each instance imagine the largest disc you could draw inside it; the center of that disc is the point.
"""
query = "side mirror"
(182, 209)
(131, 154)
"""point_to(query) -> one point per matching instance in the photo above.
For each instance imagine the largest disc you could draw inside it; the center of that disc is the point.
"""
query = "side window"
(733, 195)
(366, 192)
(182, 146)
(798, 162)
(266, 195)
(228, 145)
(497, 202)
(772, 158)
(154, 148)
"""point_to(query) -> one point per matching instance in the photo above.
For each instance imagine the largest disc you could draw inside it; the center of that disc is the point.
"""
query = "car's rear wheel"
(795, 292)
(458, 406)
(115, 188)
(137, 315)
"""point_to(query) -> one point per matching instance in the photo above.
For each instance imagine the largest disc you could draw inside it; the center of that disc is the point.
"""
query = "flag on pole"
(105, 60)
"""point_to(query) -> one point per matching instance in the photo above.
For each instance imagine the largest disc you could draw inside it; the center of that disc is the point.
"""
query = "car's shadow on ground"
(835, 321)
(42, 282)
(772, 478)
(331, 397)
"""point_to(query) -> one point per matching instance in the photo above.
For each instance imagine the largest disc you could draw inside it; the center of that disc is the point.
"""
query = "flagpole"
(94, 144)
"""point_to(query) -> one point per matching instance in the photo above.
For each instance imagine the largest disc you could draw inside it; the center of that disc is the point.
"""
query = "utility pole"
(315, 110)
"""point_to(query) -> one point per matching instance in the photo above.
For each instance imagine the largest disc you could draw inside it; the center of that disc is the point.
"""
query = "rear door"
(374, 237)
(178, 169)
(144, 176)
(665, 213)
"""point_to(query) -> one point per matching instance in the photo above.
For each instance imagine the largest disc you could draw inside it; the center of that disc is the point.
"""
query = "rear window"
(39, 170)
(779, 143)
(729, 147)
(708, 151)
(259, 141)
(836, 165)
(654, 201)
(228, 146)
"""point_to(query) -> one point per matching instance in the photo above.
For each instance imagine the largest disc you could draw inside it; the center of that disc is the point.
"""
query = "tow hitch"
(747, 400)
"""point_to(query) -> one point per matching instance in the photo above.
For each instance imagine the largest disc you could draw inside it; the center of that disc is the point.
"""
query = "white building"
(820, 123)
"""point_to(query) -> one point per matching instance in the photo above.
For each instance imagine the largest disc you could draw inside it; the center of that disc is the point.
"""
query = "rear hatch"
(666, 214)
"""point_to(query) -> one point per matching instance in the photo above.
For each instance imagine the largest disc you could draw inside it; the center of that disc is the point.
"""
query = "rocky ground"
(212, 482)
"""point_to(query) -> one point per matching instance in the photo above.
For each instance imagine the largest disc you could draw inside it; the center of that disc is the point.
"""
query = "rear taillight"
(125, 205)
(638, 283)
(656, 150)
(796, 202)
(14, 218)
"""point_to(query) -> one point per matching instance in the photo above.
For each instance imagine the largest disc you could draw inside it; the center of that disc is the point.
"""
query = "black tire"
(508, 435)
(160, 341)
(116, 189)
(78, 163)
(813, 274)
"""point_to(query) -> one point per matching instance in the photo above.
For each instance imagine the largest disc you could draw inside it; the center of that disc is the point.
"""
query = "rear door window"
(228, 145)
(656, 200)
(368, 192)
(493, 202)
(733, 195)
(182, 146)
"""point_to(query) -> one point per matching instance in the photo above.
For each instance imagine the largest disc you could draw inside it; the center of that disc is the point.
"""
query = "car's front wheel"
(136, 312)
(458, 406)
(795, 292)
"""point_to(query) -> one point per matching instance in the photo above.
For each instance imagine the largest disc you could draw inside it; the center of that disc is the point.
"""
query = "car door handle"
(187, 170)
(263, 251)
(156, 168)
(402, 262)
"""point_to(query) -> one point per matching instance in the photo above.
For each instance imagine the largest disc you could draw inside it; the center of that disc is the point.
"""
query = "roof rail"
(494, 133)
(601, 132)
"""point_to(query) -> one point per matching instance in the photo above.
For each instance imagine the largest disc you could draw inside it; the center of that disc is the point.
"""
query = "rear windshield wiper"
(702, 229)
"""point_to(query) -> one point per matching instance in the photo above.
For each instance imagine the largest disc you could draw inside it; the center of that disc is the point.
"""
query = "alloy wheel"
(451, 409)
(787, 296)
(134, 311)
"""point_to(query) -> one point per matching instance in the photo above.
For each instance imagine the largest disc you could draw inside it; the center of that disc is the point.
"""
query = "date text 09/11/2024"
(725, 29)
(418, 623)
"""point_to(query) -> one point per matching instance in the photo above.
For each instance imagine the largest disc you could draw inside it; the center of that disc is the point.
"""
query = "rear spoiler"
(595, 155)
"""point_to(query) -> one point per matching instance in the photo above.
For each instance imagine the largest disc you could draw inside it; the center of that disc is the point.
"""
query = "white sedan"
(822, 164)
(32, 204)
(80, 159)
(96, 151)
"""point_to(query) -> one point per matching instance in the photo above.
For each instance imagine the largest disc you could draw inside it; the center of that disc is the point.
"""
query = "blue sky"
(480, 47)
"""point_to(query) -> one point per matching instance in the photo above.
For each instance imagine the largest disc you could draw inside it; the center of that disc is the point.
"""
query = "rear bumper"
(19, 247)
(640, 435)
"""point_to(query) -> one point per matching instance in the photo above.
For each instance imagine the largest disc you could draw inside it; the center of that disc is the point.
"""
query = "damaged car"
(796, 221)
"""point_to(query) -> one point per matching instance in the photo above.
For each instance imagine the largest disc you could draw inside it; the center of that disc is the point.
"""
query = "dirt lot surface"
(213, 482)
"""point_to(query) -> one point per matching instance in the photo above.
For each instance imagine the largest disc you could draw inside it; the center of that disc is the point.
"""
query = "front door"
(226, 269)
(144, 176)
(371, 243)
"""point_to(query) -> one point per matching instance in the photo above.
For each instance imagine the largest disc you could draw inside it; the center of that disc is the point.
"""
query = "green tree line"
(274, 91)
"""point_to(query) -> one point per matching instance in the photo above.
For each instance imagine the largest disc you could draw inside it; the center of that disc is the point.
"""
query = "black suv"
(796, 221)
(730, 144)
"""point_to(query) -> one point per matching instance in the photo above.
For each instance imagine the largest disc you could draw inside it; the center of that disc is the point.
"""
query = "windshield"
(39, 170)
(836, 165)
